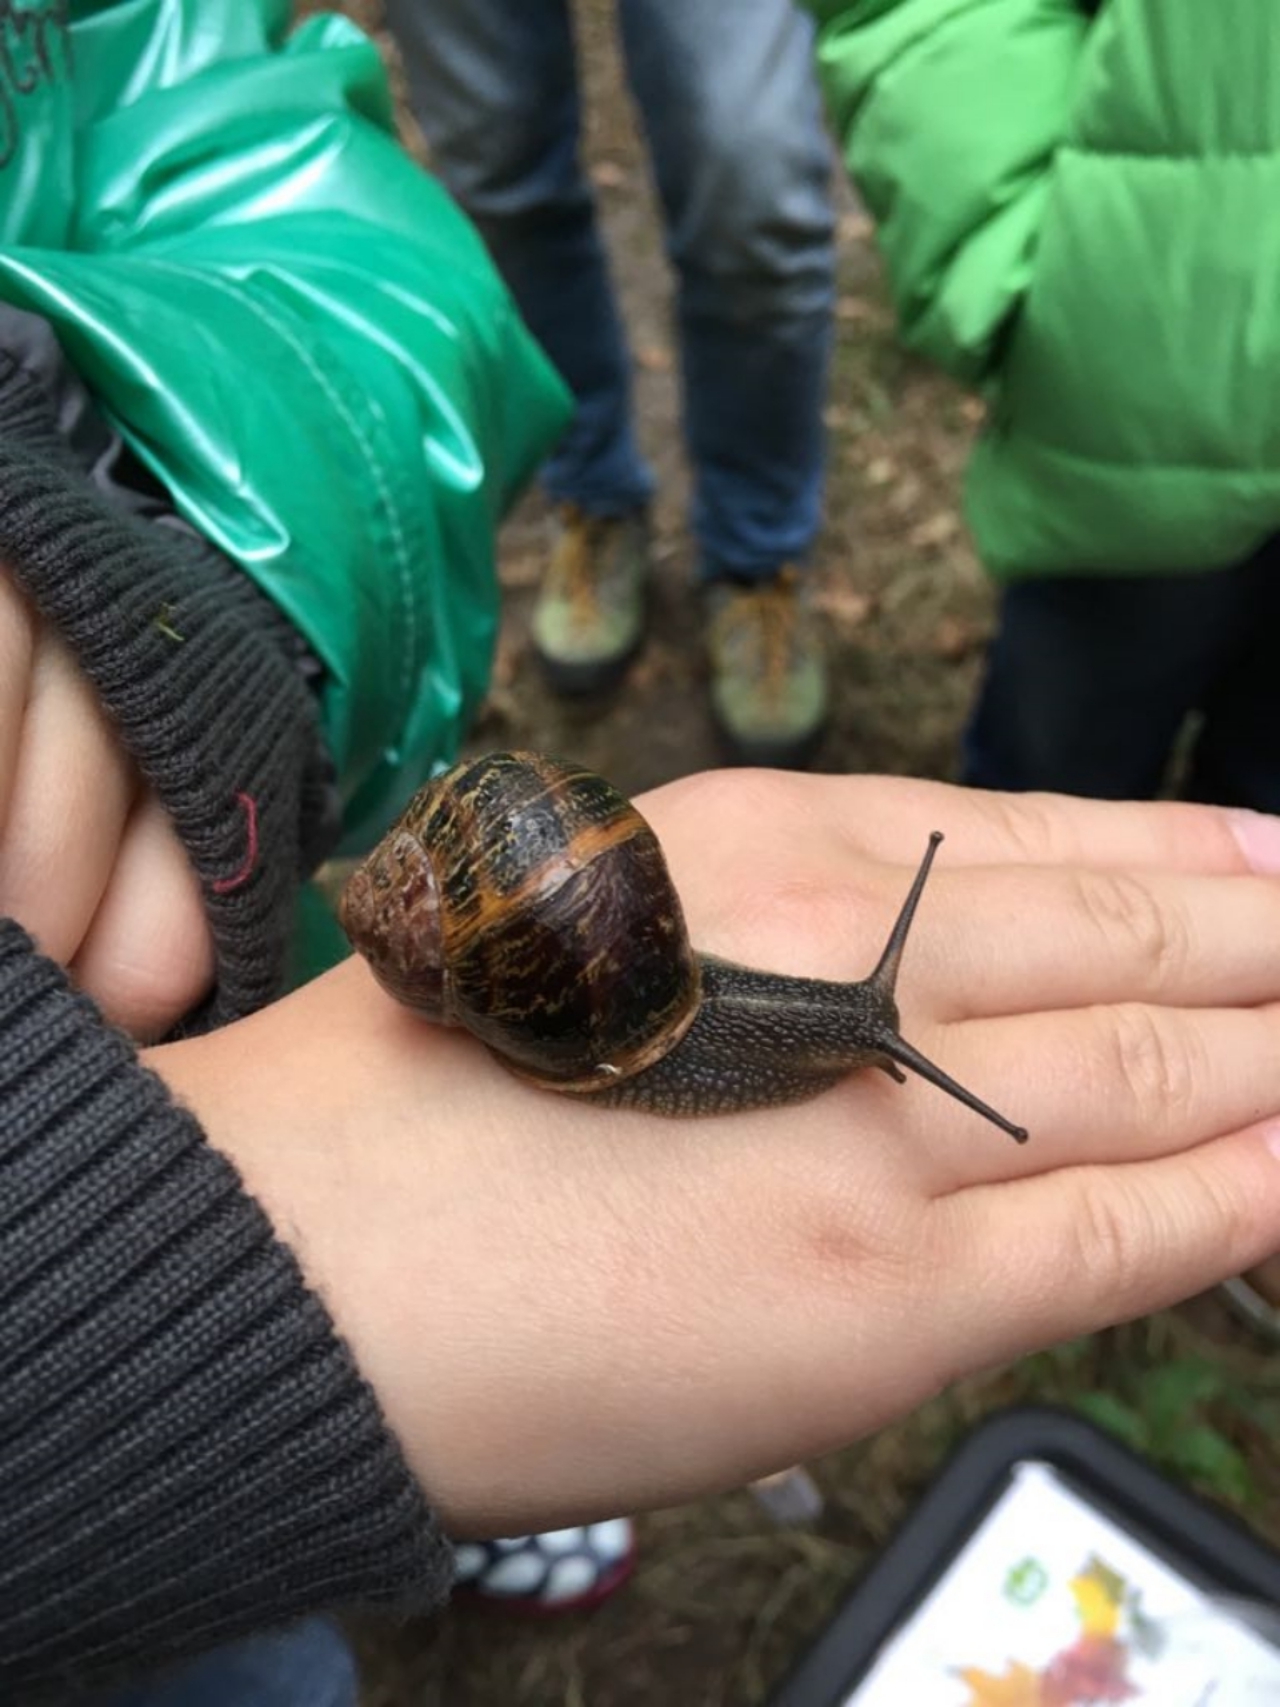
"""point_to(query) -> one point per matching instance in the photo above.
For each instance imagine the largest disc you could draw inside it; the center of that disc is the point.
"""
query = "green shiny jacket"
(293, 326)
(1076, 206)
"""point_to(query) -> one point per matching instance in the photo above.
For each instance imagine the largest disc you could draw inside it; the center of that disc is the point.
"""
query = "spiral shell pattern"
(561, 941)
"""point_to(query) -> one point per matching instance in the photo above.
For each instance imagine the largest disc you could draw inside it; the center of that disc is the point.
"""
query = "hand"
(569, 1311)
(90, 863)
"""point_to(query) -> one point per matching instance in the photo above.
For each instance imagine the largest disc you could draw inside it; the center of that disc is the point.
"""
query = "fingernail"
(1258, 836)
(1271, 1138)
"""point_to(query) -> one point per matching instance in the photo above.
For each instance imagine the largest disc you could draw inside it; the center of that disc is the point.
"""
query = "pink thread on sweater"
(225, 885)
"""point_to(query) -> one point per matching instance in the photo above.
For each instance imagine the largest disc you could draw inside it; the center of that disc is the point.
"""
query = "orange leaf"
(1019, 1687)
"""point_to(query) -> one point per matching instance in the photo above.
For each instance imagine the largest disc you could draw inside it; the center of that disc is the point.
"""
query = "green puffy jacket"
(293, 326)
(1079, 211)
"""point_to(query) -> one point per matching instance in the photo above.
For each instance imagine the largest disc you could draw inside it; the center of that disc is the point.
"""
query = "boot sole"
(794, 754)
(589, 679)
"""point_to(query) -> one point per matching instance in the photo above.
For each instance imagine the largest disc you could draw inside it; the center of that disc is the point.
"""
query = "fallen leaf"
(906, 495)
(520, 569)
(501, 709)
(1111, 1581)
(856, 310)
(937, 530)
(655, 667)
(855, 227)
(1096, 1603)
(1093, 1669)
(954, 638)
(838, 416)
(1019, 1687)
(844, 605)
(506, 661)
(655, 358)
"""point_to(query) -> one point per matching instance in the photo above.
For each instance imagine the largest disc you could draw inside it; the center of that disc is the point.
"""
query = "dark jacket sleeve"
(187, 1450)
(201, 674)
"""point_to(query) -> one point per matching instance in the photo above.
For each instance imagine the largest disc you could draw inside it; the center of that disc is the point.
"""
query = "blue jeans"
(729, 104)
(1090, 680)
(307, 1665)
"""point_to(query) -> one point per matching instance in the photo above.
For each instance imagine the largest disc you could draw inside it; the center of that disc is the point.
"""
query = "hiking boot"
(588, 622)
(768, 673)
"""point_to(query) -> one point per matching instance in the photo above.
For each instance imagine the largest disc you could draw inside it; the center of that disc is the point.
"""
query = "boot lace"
(763, 622)
(579, 563)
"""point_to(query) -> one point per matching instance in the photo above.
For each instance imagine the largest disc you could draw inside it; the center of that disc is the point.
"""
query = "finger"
(985, 828)
(148, 955)
(1018, 939)
(1097, 1085)
(1034, 938)
(17, 644)
(70, 798)
(1081, 1249)
(890, 818)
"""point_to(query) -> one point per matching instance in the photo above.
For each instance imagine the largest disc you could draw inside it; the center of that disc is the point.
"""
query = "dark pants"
(742, 166)
(308, 1665)
(1090, 679)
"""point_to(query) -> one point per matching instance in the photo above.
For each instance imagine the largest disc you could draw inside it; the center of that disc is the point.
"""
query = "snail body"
(527, 900)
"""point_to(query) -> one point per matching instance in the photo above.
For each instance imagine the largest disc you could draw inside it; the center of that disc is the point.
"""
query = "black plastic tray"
(1209, 1547)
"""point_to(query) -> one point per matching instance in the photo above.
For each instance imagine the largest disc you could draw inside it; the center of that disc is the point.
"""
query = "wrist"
(537, 1290)
(352, 1123)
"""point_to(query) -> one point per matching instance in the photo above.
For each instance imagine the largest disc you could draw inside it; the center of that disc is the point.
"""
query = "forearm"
(189, 1452)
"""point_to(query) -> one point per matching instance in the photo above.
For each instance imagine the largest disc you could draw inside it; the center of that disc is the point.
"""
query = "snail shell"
(527, 900)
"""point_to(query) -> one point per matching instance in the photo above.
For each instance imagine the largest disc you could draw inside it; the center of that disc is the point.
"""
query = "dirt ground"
(723, 1601)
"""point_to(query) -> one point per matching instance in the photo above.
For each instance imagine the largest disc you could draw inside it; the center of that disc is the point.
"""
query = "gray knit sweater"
(187, 1451)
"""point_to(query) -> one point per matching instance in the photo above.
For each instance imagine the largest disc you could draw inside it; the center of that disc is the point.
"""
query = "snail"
(527, 900)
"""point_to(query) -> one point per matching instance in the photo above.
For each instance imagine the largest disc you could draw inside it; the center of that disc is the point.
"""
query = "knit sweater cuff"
(199, 673)
(187, 1449)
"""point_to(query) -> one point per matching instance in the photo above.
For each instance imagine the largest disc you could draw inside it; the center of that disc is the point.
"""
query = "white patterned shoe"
(565, 1570)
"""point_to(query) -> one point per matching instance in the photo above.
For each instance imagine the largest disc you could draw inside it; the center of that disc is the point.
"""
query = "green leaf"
(1172, 1393)
(1211, 1460)
(1118, 1418)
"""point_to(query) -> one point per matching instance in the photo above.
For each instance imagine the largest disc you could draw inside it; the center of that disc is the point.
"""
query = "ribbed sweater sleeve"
(198, 671)
(187, 1451)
